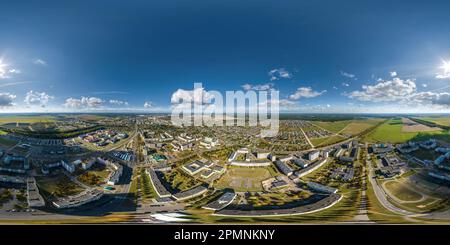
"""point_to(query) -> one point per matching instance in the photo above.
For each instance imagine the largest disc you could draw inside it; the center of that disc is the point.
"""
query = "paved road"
(382, 196)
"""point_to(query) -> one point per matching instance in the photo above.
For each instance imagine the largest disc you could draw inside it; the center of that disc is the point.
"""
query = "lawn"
(391, 131)
(178, 180)
(243, 179)
(402, 192)
(147, 191)
(263, 200)
(60, 186)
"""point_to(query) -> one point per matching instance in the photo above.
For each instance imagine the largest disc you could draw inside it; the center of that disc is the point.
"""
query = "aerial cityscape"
(330, 168)
(159, 112)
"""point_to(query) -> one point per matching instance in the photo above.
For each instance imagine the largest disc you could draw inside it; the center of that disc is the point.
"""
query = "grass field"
(59, 186)
(391, 131)
(26, 119)
(244, 179)
(402, 192)
(334, 127)
(178, 180)
(327, 140)
(359, 126)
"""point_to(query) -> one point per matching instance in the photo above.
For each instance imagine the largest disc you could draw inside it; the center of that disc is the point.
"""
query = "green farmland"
(391, 131)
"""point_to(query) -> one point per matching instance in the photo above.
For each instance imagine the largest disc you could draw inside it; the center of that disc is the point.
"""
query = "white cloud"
(36, 98)
(118, 102)
(442, 99)
(5, 71)
(148, 104)
(259, 87)
(346, 74)
(278, 73)
(305, 92)
(83, 102)
(424, 85)
(198, 96)
(15, 71)
(393, 73)
(405, 92)
(443, 75)
(345, 84)
(445, 70)
(391, 90)
(334, 87)
(40, 62)
(6, 99)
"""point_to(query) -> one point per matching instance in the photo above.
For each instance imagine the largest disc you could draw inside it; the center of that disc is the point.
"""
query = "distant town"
(132, 168)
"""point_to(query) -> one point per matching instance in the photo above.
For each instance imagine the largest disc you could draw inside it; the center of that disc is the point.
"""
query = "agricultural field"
(445, 121)
(244, 179)
(392, 131)
(26, 119)
(317, 142)
(358, 126)
(334, 127)
(412, 126)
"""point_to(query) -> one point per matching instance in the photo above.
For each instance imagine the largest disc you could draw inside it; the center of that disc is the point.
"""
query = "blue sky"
(323, 56)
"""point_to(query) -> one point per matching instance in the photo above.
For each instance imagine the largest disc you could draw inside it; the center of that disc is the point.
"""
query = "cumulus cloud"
(278, 73)
(6, 99)
(259, 87)
(83, 103)
(37, 99)
(40, 62)
(441, 99)
(305, 92)
(118, 102)
(148, 104)
(393, 73)
(346, 74)
(345, 84)
(198, 96)
(390, 90)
